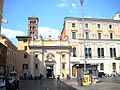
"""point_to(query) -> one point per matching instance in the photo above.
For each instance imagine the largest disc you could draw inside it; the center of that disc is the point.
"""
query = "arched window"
(74, 52)
(111, 35)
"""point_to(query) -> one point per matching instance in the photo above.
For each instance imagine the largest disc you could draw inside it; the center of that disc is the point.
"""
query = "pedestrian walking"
(16, 84)
(113, 74)
(58, 79)
(68, 77)
(9, 86)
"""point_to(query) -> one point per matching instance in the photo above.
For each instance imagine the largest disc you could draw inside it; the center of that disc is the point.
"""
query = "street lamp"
(82, 15)
(3, 21)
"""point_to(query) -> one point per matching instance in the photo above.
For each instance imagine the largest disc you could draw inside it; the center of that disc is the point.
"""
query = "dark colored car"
(101, 74)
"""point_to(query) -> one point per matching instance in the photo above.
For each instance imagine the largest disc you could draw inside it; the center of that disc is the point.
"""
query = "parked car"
(11, 80)
(101, 74)
(13, 73)
(2, 81)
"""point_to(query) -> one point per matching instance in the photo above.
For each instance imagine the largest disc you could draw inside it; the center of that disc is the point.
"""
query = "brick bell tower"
(33, 27)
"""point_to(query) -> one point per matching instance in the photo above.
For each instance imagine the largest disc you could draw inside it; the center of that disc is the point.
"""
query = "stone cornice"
(50, 47)
(92, 19)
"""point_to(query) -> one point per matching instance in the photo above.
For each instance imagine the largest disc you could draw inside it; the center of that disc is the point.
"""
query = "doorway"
(49, 71)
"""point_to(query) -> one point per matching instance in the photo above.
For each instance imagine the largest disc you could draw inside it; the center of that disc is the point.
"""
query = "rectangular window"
(111, 55)
(86, 53)
(36, 66)
(63, 55)
(25, 47)
(102, 52)
(101, 66)
(25, 66)
(25, 55)
(24, 40)
(99, 35)
(98, 50)
(34, 28)
(86, 25)
(98, 25)
(114, 50)
(90, 53)
(74, 52)
(114, 66)
(32, 22)
(30, 27)
(87, 35)
(73, 35)
(73, 24)
(110, 26)
(63, 65)
(111, 36)
(30, 33)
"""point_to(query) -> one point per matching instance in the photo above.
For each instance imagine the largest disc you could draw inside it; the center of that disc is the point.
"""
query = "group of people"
(67, 77)
(14, 85)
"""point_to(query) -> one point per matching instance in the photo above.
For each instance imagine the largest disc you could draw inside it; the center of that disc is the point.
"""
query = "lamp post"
(82, 15)
(3, 21)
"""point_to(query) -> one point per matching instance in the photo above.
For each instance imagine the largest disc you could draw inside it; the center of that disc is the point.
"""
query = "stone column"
(67, 63)
(40, 62)
(58, 63)
(43, 64)
(31, 64)
(71, 64)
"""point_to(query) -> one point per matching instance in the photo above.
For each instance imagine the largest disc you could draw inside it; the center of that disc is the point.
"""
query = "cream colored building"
(102, 42)
(11, 64)
(65, 55)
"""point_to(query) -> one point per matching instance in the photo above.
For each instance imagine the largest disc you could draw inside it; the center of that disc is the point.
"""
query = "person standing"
(16, 84)
(58, 79)
(68, 77)
(9, 86)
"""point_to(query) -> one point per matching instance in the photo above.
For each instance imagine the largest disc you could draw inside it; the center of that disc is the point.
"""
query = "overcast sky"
(51, 14)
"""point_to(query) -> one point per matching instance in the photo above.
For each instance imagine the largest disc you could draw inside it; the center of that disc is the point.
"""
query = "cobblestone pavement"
(46, 84)
(107, 83)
